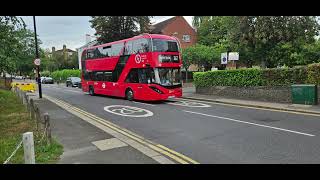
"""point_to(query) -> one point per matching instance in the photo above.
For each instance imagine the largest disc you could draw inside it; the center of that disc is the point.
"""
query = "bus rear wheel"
(129, 94)
(91, 91)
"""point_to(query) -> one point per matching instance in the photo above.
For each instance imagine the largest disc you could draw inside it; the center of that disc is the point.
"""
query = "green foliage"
(45, 73)
(203, 56)
(17, 46)
(238, 77)
(284, 76)
(9, 41)
(259, 77)
(313, 73)
(14, 121)
(65, 73)
(263, 40)
(60, 61)
(113, 28)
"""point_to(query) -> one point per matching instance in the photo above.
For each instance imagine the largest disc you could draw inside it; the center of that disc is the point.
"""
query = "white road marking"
(143, 103)
(189, 104)
(128, 111)
(258, 108)
(235, 120)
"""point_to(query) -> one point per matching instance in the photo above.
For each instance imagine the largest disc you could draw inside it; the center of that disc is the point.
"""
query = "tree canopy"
(263, 40)
(113, 28)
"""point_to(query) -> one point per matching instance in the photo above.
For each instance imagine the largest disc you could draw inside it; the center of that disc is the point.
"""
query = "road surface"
(208, 132)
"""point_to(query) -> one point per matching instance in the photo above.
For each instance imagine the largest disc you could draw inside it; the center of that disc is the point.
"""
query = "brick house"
(177, 26)
(66, 52)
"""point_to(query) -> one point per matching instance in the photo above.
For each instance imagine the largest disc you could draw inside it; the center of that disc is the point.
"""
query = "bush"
(313, 73)
(45, 73)
(259, 77)
(65, 73)
(284, 77)
(238, 77)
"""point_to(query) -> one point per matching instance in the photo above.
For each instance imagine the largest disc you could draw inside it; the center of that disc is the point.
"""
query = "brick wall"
(259, 93)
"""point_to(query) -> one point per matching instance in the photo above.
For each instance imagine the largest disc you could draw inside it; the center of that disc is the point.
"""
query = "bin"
(304, 94)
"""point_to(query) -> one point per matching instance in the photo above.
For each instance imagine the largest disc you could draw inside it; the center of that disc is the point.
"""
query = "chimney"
(88, 38)
(53, 51)
(65, 54)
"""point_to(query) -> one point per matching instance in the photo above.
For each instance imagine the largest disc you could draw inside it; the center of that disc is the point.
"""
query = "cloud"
(69, 30)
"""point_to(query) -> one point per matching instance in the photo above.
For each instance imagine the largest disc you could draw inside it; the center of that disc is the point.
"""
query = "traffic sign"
(37, 62)
(234, 56)
(224, 59)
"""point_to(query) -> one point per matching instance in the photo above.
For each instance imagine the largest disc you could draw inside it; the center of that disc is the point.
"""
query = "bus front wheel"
(91, 91)
(129, 95)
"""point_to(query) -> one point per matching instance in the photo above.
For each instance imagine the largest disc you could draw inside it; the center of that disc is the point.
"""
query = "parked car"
(46, 80)
(73, 82)
(19, 77)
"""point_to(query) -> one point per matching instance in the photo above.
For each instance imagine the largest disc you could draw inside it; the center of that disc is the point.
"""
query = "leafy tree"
(265, 40)
(113, 28)
(197, 20)
(201, 55)
(213, 29)
(26, 53)
(9, 42)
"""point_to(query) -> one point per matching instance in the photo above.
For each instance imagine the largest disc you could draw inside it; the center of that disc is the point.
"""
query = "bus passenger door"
(132, 81)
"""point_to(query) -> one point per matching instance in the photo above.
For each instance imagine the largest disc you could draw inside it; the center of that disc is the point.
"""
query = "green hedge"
(284, 77)
(313, 74)
(238, 77)
(259, 77)
(65, 73)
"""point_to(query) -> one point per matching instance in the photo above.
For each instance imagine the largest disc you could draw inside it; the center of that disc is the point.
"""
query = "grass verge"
(14, 121)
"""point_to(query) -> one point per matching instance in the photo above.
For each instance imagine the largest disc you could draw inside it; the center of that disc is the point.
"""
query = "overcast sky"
(69, 30)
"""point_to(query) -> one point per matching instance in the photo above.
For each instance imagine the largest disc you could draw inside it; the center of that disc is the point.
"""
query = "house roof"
(157, 28)
(68, 50)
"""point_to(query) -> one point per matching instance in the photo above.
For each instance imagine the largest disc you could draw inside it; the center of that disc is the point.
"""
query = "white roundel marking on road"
(189, 104)
(129, 111)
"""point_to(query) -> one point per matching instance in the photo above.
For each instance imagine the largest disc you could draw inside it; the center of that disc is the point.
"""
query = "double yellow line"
(178, 157)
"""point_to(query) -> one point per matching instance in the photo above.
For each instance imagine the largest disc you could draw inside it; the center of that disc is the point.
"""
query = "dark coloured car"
(73, 82)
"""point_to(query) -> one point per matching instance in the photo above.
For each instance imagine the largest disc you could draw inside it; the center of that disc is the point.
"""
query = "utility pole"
(37, 57)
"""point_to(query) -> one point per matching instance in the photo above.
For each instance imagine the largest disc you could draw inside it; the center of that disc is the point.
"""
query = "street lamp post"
(37, 57)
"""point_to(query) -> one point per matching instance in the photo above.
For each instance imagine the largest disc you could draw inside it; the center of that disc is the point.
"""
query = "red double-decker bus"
(145, 67)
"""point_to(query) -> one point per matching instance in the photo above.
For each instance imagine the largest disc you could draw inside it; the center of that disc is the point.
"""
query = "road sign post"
(37, 60)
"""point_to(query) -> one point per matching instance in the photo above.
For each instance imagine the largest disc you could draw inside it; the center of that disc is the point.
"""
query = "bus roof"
(145, 35)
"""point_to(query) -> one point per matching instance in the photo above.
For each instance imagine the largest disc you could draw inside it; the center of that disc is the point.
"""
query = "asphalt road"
(208, 132)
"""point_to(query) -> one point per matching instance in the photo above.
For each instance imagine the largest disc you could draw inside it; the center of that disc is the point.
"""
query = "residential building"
(64, 51)
(177, 26)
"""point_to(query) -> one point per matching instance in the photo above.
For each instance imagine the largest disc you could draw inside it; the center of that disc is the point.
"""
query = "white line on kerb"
(281, 129)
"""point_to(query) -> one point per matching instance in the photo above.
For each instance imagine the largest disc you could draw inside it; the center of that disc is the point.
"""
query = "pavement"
(191, 131)
(86, 144)
(189, 93)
